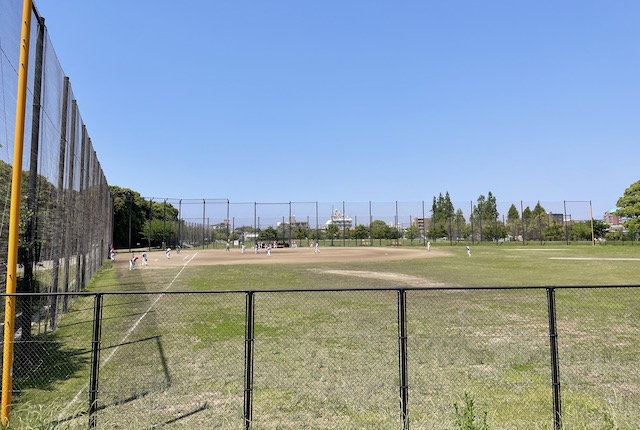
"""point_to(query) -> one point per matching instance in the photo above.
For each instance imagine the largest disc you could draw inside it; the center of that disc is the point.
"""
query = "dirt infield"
(158, 259)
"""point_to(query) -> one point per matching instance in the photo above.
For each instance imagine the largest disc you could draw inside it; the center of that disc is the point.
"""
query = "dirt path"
(158, 259)
(398, 278)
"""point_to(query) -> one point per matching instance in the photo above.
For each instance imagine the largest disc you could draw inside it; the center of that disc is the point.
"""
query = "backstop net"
(66, 208)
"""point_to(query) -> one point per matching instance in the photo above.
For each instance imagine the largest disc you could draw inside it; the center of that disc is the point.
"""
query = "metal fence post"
(248, 360)
(402, 357)
(555, 368)
(95, 360)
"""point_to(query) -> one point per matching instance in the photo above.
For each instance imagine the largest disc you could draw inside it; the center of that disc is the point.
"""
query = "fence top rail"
(322, 290)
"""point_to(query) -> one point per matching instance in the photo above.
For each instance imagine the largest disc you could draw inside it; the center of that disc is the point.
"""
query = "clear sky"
(351, 100)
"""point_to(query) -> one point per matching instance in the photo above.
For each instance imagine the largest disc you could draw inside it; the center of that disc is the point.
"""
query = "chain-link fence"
(65, 208)
(531, 358)
(211, 223)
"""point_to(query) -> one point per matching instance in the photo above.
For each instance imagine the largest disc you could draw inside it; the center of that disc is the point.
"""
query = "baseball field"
(329, 359)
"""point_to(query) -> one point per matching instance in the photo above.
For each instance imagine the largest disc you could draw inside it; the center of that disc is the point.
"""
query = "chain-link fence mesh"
(333, 359)
(50, 362)
(326, 359)
(482, 343)
(599, 345)
(186, 348)
(212, 223)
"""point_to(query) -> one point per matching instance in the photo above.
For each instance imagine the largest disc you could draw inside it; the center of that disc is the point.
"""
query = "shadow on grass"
(141, 392)
(90, 308)
(43, 361)
(183, 416)
(163, 358)
(137, 395)
(91, 321)
(202, 408)
(85, 413)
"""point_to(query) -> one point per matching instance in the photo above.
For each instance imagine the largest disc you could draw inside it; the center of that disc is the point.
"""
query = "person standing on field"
(168, 252)
(132, 262)
(317, 248)
(468, 251)
(429, 246)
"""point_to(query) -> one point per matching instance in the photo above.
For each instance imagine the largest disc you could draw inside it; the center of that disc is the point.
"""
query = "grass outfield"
(329, 360)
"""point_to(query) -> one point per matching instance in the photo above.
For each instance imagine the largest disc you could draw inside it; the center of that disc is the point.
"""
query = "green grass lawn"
(330, 359)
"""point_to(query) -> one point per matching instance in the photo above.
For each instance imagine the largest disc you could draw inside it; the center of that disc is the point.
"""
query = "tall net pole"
(14, 217)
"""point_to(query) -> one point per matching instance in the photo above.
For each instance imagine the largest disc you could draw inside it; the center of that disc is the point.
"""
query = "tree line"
(142, 222)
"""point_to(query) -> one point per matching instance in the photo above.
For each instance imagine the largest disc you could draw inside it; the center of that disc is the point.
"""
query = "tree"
(434, 209)
(614, 235)
(300, 232)
(442, 214)
(315, 234)
(466, 231)
(131, 213)
(535, 222)
(412, 232)
(485, 214)
(332, 231)
(360, 232)
(600, 228)
(629, 207)
(581, 230)
(513, 220)
(490, 208)
(554, 231)
(460, 223)
(269, 234)
(379, 230)
(160, 232)
(437, 231)
(394, 233)
(539, 210)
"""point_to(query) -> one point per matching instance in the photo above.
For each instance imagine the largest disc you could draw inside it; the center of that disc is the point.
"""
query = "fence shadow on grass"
(43, 361)
(163, 358)
(202, 408)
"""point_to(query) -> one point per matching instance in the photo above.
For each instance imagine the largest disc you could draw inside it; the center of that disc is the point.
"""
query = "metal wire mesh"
(600, 378)
(332, 359)
(211, 223)
(479, 342)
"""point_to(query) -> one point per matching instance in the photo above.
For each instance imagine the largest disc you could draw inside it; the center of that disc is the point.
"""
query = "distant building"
(222, 226)
(612, 218)
(340, 220)
(557, 218)
(294, 223)
(422, 223)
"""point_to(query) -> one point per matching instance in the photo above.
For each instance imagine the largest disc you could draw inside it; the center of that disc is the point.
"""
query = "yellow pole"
(14, 214)
(593, 237)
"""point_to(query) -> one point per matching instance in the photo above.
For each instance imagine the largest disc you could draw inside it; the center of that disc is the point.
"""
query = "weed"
(465, 415)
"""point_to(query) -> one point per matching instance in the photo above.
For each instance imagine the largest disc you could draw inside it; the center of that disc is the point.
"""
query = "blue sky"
(335, 101)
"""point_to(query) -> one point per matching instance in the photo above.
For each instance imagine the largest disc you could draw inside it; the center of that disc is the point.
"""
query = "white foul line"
(133, 327)
(595, 258)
